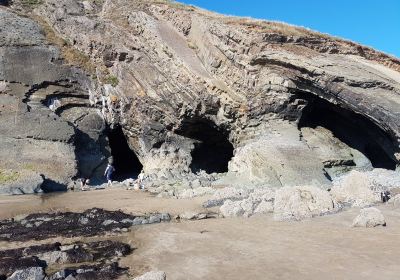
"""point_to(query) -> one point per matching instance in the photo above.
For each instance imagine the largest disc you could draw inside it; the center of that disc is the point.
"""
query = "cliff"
(199, 97)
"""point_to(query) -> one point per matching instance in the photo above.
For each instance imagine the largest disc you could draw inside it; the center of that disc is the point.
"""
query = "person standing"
(109, 172)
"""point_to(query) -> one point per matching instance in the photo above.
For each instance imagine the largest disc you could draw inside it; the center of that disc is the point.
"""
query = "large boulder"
(297, 203)
(369, 217)
(360, 189)
(237, 208)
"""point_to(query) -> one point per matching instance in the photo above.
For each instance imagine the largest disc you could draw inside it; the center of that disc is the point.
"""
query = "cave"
(353, 129)
(126, 163)
(212, 148)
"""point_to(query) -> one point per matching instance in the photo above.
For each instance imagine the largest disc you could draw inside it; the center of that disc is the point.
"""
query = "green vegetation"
(71, 55)
(7, 176)
(31, 3)
(112, 80)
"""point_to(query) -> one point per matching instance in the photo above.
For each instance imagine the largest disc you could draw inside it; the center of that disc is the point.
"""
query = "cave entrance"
(351, 128)
(212, 149)
(126, 163)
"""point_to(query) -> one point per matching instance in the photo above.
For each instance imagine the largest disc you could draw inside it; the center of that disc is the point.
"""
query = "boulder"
(232, 209)
(258, 201)
(297, 203)
(369, 217)
(395, 200)
(152, 275)
(195, 215)
(357, 189)
(230, 193)
(190, 193)
(32, 273)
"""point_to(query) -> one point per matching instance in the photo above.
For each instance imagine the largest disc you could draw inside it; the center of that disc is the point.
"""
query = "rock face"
(267, 103)
(45, 114)
(369, 217)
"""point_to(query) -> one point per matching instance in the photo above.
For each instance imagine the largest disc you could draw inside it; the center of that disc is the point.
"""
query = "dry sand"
(240, 248)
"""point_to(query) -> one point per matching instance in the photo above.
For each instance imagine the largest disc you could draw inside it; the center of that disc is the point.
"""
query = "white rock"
(395, 200)
(297, 203)
(231, 209)
(230, 193)
(31, 273)
(264, 207)
(369, 217)
(263, 194)
(357, 189)
(152, 275)
(190, 193)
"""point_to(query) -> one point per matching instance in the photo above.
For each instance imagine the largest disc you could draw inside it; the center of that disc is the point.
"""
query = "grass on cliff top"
(7, 176)
(71, 55)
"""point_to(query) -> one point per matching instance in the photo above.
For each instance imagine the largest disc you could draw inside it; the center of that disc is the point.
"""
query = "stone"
(369, 217)
(32, 273)
(357, 189)
(395, 200)
(232, 209)
(264, 207)
(154, 219)
(230, 193)
(298, 203)
(193, 215)
(190, 193)
(152, 275)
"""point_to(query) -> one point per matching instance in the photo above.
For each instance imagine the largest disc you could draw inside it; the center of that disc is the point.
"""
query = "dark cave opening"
(213, 150)
(125, 161)
(351, 128)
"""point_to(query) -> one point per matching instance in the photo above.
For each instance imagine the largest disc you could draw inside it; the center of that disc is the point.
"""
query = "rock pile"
(93, 260)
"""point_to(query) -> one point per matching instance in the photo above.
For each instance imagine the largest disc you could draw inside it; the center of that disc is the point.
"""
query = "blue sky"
(374, 23)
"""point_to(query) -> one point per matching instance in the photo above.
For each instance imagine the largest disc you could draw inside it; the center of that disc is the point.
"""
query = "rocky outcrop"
(45, 117)
(265, 104)
(20, 183)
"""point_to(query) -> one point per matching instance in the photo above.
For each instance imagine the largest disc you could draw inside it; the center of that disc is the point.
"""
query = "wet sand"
(238, 248)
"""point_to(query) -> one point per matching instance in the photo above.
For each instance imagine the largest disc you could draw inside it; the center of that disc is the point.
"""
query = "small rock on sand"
(369, 217)
(152, 275)
(297, 203)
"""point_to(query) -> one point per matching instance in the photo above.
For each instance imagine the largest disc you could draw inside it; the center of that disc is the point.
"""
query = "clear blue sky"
(374, 23)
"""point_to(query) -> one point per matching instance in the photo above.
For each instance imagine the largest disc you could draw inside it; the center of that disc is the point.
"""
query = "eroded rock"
(369, 217)
(297, 203)
(360, 189)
